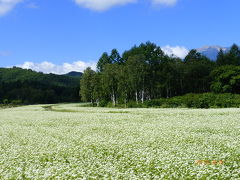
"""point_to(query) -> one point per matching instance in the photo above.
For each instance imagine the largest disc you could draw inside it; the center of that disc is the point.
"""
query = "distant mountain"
(212, 51)
(74, 74)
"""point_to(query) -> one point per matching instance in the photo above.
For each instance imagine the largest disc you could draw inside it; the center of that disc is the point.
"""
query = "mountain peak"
(211, 51)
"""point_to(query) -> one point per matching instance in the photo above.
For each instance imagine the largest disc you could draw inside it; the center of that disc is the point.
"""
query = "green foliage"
(155, 102)
(5, 101)
(226, 79)
(174, 102)
(202, 101)
(16, 102)
(221, 60)
(206, 100)
(133, 104)
(196, 74)
(193, 56)
(146, 77)
(230, 58)
(199, 100)
(144, 72)
(104, 59)
(115, 57)
(103, 103)
(33, 88)
(87, 85)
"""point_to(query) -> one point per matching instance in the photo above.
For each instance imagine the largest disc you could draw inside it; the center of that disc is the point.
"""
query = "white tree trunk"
(114, 99)
(136, 97)
(143, 96)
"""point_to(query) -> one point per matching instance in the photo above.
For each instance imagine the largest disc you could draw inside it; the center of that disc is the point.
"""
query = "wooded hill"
(21, 86)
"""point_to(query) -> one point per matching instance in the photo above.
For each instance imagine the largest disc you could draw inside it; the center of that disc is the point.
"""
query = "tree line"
(145, 72)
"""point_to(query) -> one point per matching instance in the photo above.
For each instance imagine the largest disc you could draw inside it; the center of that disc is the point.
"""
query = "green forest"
(21, 86)
(146, 76)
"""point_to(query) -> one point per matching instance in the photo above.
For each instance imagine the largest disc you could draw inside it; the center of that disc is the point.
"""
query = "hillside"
(74, 74)
(30, 87)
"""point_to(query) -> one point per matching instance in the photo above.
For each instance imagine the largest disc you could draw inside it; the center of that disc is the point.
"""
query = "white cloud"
(97, 5)
(178, 51)
(165, 2)
(7, 5)
(101, 5)
(48, 67)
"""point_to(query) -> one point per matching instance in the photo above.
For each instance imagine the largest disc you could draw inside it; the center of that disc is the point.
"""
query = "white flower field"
(72, 142)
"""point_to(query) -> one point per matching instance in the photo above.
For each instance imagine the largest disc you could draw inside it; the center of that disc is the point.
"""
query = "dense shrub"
(199, 100)
(205, 100)
(103, 103)
(155, 102)
(16, 102)
(133, 104)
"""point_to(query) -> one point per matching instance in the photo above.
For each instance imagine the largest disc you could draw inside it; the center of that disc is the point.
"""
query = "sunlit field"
(73, 142)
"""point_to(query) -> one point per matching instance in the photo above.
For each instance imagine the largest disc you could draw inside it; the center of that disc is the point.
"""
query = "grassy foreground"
(70, 142)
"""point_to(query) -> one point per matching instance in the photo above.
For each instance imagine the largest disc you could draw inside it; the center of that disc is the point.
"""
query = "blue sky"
(63, 35)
